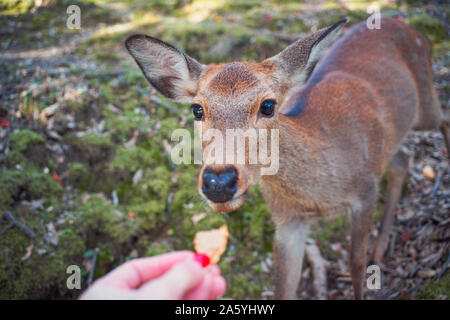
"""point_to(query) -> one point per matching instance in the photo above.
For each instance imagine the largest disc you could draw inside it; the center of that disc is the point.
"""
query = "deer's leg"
(289, 248)
(362, 211)
(396, 174)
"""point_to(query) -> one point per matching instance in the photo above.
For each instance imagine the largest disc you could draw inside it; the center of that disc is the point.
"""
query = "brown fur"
(349, 120)
(338, 133)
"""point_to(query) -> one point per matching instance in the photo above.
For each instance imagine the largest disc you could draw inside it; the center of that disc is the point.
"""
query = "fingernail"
(202, 258)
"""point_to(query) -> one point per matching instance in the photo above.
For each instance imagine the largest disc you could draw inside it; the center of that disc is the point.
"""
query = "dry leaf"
(426, 273)
(28, 253)
(428, 172)
(132, 215)
(197, 217)
(56, 177)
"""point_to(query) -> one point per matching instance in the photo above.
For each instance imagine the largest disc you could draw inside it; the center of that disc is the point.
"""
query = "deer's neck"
(295, 158)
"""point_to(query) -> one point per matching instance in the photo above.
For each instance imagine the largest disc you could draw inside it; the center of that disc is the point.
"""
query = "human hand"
(170, 276)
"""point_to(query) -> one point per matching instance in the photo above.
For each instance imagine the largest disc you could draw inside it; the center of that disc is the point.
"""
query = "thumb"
(175, 283)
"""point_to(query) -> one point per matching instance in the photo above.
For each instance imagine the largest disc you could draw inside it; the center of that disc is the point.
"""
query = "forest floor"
(84, 149)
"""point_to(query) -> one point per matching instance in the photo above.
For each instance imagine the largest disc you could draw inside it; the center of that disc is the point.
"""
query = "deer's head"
(236, 95)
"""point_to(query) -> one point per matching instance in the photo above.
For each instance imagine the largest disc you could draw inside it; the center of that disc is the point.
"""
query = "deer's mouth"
(230, 205)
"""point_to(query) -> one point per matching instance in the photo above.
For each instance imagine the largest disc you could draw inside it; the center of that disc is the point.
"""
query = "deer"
(343, 108)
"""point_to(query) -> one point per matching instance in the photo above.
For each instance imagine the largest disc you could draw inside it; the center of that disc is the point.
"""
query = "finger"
(198, 293)
(219, 287)
(213, 269)
(175, 283)
(134, 273)
(203, 290)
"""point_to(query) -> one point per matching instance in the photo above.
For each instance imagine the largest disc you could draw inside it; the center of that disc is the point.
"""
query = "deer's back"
(365, 94)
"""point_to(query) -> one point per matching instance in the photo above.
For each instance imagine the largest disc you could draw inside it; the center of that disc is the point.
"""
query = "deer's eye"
(197, 110)
(267, 107)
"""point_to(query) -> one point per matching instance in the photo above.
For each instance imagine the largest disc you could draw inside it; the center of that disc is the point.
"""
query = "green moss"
(254, 290)
(105, 260)
(14, 7)
(130, 120)
(263, 46)
(40, 275)
(79, 176)
(10, 266)
(103, 56)
(27, 146)
(225, 266)
(9, 180)
(96, 140)
(253, 221)
(329, 231)
(101, 223)
(22, 139)
(28, 183)
(437, 289)
(92, 150)
(158, 181)
(212, 220)
(128, 160)
(148, 209)
(157, 248)
(70, 245)
(40, 184)
(239, 287)
(434, 29)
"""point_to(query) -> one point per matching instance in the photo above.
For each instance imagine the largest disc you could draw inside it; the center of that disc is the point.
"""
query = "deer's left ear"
(170, 71)
(296, 62)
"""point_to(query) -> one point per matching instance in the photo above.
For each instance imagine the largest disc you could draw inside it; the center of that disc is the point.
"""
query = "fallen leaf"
(405, 215)
(428, 172)
(406, 236)
(28, 253)
(139, 174)
(4, 123)
(197, 217)
(426, 273)
(56, 177)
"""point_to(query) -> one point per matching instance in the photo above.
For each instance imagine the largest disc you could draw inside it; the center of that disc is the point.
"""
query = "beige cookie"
(213, 243)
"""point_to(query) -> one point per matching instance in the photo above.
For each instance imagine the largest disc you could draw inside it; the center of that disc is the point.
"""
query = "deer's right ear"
(170, 71)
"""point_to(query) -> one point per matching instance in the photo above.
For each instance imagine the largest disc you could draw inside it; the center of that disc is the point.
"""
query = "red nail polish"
(202, 258)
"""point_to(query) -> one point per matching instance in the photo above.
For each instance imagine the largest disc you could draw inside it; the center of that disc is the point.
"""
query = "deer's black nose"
(220, 186)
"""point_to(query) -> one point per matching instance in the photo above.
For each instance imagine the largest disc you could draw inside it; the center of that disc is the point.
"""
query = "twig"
(19, 225)
(169, 206)
(9, 226)
(445, 266)
(436, 185)
(94, 263)
(388, 293)
(392, 242)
